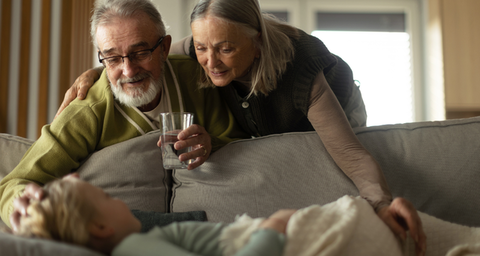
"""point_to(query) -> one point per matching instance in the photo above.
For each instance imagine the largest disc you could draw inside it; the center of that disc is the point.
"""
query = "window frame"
(303, 16)
(413, 26)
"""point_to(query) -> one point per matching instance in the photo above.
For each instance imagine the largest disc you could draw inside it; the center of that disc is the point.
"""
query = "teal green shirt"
(196, 238)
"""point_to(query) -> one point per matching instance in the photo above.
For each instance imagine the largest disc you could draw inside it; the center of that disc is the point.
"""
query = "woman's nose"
(212, 59)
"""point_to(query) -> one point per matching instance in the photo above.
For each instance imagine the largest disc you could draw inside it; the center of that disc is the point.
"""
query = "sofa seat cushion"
(11, 245)
(435, 165)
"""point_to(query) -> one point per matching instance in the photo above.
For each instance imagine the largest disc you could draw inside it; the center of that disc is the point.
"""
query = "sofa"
(432, 164)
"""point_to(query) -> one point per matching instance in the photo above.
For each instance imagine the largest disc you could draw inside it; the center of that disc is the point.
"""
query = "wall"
(44, 46)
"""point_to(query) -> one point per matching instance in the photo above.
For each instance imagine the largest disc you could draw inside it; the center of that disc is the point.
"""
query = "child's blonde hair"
(62, 215)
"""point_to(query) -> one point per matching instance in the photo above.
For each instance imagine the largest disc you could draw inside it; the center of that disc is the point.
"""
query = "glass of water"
(172, 124)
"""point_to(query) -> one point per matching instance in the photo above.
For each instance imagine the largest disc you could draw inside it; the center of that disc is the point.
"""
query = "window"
(377, 48)
(394, 26)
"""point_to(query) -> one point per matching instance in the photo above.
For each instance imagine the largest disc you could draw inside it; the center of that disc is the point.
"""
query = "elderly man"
(138, 83)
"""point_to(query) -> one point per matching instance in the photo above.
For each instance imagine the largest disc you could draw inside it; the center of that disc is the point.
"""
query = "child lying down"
(79, 213)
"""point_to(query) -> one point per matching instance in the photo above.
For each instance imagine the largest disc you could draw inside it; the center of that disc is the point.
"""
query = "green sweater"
(196, 238)
(99, 121)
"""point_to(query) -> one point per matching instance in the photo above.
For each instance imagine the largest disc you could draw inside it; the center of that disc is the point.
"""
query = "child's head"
(77, 212)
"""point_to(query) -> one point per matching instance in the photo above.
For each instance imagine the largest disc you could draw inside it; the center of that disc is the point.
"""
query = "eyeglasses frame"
(130, 54)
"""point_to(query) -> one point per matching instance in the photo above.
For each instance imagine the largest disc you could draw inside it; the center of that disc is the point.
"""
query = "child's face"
(111, 212)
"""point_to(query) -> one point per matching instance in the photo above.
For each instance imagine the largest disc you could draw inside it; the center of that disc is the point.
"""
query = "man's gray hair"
(106, 10)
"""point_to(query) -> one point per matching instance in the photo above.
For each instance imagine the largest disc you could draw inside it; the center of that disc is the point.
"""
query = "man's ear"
(100, 230)
(167, 42)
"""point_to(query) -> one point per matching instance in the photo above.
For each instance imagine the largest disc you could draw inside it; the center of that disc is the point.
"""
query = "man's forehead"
(124, 34)
(108, 41)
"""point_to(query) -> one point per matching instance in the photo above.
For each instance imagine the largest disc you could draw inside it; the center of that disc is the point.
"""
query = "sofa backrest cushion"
(432, 164)
(436, 165)
(259, 176)
(132, 171)
(12, 149)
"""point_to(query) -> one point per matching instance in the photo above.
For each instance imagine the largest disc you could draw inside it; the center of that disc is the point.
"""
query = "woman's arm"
(330, 122)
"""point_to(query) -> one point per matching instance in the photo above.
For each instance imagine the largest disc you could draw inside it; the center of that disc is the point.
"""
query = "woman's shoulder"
(307, 46)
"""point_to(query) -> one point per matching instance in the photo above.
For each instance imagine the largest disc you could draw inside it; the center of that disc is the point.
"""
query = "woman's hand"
(79, 89)
(20, 204)
(401, 216)
(279, 220)
(196, 137)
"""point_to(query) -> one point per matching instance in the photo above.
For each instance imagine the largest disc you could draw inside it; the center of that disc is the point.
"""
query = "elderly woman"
(276, 79)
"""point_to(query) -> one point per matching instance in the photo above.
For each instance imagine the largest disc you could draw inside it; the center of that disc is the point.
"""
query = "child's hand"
(279, 220)
(20, 204)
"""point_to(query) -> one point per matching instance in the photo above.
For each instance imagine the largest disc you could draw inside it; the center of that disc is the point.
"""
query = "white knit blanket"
(350, 227)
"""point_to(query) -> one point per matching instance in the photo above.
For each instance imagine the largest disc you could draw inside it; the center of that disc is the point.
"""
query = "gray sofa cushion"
(433, 164)
(132, 171)
(259, 176)
(18, 246)
(12, 149)
(436, 165)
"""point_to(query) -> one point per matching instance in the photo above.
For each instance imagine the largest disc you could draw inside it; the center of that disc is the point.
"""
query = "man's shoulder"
(99, 93)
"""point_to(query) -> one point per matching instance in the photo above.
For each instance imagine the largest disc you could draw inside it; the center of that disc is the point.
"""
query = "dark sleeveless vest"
(285, 108)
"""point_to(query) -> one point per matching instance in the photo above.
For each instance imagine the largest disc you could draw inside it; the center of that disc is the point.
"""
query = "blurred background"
(414, 60)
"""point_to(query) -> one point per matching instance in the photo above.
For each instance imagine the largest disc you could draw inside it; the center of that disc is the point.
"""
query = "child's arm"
(140, 244)
(270, 238)
(264, 242)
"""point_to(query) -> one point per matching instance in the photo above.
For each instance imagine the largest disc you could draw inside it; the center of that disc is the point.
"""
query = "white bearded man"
(139, 82)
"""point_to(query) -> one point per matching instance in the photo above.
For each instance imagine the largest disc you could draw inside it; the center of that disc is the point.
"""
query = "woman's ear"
(100, 230)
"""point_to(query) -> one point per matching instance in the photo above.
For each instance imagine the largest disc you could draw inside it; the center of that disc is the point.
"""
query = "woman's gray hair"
(106, 10)
(276, 48)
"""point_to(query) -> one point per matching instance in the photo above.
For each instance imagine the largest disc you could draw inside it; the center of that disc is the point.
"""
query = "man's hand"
(20, 204)
(79, 88)
(401, 216)
(198, 138)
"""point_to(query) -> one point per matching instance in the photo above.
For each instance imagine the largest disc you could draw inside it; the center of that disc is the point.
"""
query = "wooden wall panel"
(76, 48)
(4, 61)
(26, 21)
(65, 49)
(75, 56)
(44, 65)
(461, 50)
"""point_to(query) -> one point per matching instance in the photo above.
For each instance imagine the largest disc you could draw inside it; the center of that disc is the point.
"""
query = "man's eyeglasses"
(138, 57)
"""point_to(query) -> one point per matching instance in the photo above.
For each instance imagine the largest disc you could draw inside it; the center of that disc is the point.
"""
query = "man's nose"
(129, 69)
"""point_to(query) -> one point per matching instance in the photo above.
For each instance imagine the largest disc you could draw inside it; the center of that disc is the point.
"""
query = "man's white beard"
(137, 97)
